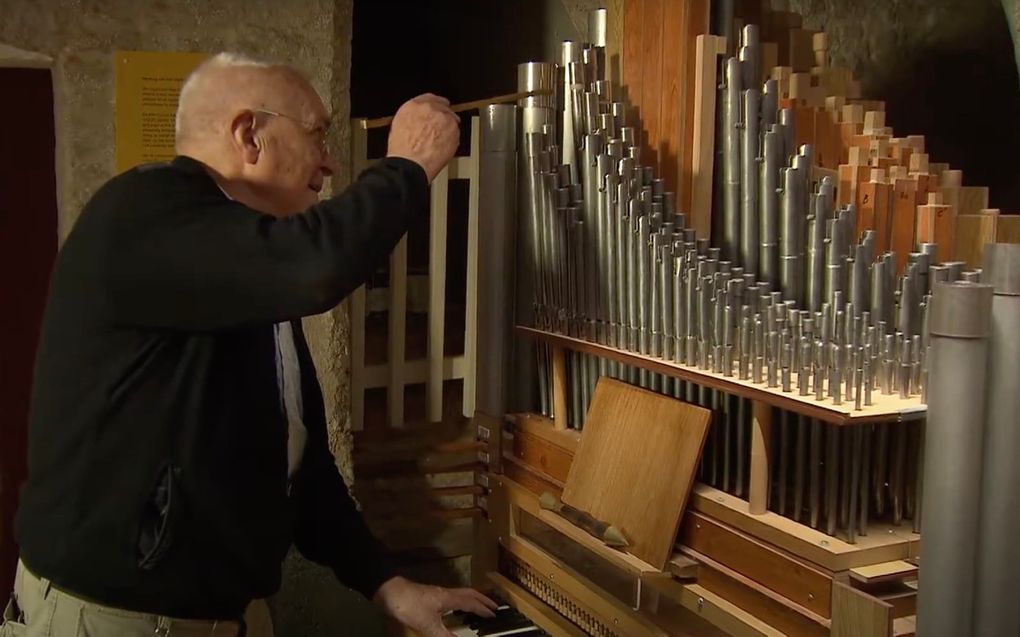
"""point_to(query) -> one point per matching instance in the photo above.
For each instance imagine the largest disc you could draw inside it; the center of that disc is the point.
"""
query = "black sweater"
(157, 446)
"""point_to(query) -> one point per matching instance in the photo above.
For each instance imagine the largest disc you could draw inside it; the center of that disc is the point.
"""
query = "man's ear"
(242, 133)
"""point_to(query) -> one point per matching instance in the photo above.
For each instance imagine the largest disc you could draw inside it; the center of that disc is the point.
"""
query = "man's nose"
(329, 165)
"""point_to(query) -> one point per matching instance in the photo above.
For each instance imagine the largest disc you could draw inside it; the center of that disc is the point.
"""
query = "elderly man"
(177, 439)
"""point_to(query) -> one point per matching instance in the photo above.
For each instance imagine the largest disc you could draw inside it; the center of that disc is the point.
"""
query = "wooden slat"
(415, 371)
(716, 609)
(761, 427)
(437, 293)
(883, 572)
(539, 453)
(792, 578)
(885, 408)
(397, 318)
(883, 543)
(471, 294)
(856, 614)
(769, 607)
(707, 51)
(637, 441)
(651, 82)
(538, 425)
(529, 478)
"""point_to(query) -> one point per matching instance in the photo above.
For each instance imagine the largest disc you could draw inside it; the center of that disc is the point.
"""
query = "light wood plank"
(707, 51)
(883, 572)
(856, 614)
(637, 441)
(415, 371)
(471, 294)
(761, 428)
(437, 293)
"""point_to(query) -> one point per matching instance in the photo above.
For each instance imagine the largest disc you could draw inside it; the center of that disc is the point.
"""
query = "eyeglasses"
(310, 127)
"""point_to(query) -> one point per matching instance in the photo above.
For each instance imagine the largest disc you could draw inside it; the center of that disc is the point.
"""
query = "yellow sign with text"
(148, 84)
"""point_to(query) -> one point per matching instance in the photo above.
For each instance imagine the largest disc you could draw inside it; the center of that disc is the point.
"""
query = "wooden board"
(884, 572)
(884, 408)
(972, 233)
(1008, 229)
(708, 50)
(637, 441)
(794, 579)
(855, 614)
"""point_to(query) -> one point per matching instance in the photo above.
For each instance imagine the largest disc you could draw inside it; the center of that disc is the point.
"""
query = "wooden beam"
(761, 428)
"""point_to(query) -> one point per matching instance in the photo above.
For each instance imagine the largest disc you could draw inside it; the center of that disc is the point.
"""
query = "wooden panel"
(883, 572)
(972, 233)
(531, 479)
(538, 453)
(633, 72)
(768, 606)
(883, 543)
(856, 614)
(719, 611)
(637, 441)
(538, 425)
(794, 579)
(671, 97)
(651, 80)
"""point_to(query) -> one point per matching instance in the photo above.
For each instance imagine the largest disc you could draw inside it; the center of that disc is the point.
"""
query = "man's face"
(293, 162)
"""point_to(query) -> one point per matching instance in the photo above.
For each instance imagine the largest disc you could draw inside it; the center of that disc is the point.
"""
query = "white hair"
(218, 61)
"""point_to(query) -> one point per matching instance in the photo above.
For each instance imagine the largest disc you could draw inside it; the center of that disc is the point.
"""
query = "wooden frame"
(436, 367)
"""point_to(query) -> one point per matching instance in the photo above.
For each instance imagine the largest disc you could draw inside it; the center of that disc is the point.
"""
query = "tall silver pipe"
(960, 327)
(496, 177)
(789, 133)
(749, 173)
(731, 160)
(768, 229)
(998, 579)
(750, 56)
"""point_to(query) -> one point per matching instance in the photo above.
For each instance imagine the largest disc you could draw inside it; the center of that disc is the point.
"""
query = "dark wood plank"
(651, 82)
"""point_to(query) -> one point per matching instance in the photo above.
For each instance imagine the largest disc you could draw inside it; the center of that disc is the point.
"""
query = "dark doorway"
(28, 245)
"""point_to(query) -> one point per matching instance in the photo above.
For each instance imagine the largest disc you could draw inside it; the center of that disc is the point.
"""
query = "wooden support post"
(761, 435)
(437, 293)
(707, 51)
(972, 233)
(559, 370)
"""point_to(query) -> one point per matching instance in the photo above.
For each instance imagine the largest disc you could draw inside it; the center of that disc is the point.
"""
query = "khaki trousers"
(46, 611)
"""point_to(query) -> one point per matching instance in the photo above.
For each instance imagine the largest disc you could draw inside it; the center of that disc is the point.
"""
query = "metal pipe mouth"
(1001, 268)
(961, 309)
